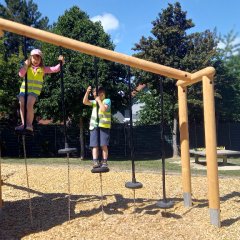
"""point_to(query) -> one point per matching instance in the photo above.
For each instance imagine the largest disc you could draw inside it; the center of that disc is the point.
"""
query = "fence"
(48, 139)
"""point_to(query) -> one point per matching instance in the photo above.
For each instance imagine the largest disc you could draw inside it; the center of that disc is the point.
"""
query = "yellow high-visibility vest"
(104, 117)
(34, 80)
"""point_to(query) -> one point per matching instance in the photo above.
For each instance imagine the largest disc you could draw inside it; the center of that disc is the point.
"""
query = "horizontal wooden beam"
(197, 76)
(89, 49)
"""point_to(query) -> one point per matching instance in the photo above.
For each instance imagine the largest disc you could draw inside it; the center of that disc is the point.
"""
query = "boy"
(101, 123)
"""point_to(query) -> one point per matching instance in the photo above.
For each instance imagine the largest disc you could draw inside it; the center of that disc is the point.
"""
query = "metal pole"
(26, 86)
(162, 141)
(97, 107)
(131, 125)
(63, 101)
(164, 203)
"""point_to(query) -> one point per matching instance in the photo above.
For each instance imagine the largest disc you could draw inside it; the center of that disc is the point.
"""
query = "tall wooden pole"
(184, 144)
(211, 150)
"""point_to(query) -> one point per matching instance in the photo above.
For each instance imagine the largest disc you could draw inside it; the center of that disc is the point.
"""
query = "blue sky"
(127, 20)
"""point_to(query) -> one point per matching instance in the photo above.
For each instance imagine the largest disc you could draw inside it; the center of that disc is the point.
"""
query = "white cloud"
(108, 21)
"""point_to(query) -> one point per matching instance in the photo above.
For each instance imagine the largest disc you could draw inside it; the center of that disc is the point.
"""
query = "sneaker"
(19, 128)
(96, 164)
(104, 165)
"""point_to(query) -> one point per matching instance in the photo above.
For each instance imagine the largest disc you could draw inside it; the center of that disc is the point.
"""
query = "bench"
(224, 154)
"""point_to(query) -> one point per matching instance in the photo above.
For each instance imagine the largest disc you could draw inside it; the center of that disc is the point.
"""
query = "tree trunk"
(82, 154)
(174, 137)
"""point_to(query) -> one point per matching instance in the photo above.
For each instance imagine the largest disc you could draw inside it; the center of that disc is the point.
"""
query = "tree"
(8, 84)
(171, 45)
(228, 84)
(25, 12)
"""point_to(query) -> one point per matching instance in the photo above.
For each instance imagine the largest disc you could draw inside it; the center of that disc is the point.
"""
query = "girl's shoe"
(19, 128)
(29, 128)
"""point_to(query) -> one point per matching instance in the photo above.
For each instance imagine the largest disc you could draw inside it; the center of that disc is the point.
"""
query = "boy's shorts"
(104, 137)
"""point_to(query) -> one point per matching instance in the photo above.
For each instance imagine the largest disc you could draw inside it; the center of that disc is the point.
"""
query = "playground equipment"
(66, 150)
(133, 184)
(164, 203)
(185, 79)
(24, 132)
(99, 169)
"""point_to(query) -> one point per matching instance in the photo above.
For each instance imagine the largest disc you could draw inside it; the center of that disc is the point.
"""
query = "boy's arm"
(85, 98)
(103, 107)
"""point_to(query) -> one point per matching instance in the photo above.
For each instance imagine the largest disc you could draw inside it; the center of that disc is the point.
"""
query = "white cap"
(36, 52)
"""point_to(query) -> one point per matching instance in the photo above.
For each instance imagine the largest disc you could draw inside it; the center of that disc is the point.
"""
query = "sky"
(128, 20)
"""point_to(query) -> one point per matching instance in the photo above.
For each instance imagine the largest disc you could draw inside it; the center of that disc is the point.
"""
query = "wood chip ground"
(118, 220)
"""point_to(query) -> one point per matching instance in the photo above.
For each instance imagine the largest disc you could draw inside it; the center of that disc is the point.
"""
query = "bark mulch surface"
(118, 220)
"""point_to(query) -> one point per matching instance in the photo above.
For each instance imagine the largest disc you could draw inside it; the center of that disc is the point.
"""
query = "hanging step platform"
(24, 132)
(100, 170)
(165, 204)
(133, 185)
(67, 150)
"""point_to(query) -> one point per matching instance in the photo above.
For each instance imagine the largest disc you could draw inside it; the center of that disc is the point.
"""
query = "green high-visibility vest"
(104, 117)
(34, 80)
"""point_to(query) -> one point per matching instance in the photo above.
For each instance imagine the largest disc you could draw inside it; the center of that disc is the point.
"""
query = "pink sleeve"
(54, 69)
(22, 72)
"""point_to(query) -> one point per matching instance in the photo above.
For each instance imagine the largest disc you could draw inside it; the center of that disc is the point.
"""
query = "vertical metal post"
(97, 107)
(26, 86)
(163, 203)
(131, 125)
(63, 102)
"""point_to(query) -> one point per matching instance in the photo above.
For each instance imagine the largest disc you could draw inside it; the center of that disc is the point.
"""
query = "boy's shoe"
(96, 164)
(104, 165)
(19, 128)
(29, 128)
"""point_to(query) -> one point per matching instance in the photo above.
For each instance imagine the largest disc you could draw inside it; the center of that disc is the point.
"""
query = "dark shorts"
(104, 137)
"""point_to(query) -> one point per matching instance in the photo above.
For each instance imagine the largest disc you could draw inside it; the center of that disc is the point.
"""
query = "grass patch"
(172, 165)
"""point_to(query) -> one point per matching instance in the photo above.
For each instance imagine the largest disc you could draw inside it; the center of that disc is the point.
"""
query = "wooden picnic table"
(224, 154)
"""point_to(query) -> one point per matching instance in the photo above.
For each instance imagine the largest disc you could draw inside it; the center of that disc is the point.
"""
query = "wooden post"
(1, 33)
(184, 143)
(211, 150)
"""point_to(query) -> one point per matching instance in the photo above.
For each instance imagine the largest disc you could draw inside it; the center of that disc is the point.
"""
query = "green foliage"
(25, 12)
(230, 47)
(171, 45)
(9, 84)
(227, 83)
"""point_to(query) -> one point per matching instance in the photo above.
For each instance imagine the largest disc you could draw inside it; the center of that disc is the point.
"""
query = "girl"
(35, 71)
